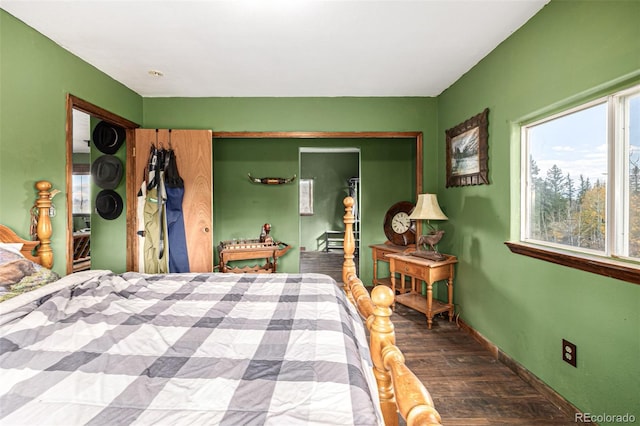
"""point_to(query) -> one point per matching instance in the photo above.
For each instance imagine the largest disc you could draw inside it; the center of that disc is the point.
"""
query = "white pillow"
(12, 247)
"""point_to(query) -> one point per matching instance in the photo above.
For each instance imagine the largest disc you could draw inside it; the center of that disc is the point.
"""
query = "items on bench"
(265, 247)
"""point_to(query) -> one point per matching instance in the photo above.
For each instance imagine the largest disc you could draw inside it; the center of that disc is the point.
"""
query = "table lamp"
(428, 209)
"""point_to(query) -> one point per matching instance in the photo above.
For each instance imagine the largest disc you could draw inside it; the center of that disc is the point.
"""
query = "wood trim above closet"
(316, 135)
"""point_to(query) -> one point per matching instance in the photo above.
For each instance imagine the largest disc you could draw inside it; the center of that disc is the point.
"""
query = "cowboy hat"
(108, 204)
(106, 171)
(108, 138)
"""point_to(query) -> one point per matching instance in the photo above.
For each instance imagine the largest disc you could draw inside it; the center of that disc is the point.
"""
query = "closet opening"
(394, 170)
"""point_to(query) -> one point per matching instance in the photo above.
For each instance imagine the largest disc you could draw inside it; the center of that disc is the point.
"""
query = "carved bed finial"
(44, 228)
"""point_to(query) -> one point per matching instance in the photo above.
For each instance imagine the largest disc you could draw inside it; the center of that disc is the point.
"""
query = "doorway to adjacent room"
(327, 176)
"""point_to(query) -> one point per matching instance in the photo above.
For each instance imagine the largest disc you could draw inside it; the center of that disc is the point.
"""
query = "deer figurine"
(431, 239)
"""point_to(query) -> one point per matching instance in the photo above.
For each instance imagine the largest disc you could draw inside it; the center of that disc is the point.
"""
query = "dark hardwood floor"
(322, 262)
(468, 385)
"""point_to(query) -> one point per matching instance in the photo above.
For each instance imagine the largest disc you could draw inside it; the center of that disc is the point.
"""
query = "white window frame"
(618, 144)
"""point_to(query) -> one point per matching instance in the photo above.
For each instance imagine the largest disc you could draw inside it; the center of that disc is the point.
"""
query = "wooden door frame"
(74, 102)
(417, 136)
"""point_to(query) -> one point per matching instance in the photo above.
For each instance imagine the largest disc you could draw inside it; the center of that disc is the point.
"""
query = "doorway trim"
(74, 102)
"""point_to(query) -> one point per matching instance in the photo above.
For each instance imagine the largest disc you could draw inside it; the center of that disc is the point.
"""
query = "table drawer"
(411, 269)
(381, 254)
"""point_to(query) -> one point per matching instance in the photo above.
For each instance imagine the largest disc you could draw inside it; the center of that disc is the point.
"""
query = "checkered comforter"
(196, 349)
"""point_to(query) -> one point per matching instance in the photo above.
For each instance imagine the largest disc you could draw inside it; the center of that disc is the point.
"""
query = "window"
(581, 186)
(80, 191)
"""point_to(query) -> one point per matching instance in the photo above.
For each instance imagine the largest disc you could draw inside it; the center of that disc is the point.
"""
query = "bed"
(97, 347)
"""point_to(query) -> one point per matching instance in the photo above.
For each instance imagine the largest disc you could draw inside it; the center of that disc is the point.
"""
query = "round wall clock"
(398, 228)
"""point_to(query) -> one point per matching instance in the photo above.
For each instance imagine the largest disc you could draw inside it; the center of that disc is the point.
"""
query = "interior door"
(193, 149)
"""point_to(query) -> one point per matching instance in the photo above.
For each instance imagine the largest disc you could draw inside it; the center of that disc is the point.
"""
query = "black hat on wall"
(108, 138)
(109, 204)
(106, 171)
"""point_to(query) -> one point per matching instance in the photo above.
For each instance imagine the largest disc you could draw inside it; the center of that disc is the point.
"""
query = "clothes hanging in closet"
(174, 187)
(165, 248)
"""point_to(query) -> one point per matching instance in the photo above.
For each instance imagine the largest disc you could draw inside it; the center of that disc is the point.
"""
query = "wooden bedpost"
(44, 229)
(349, 266)
(382, 335)
(377, 317)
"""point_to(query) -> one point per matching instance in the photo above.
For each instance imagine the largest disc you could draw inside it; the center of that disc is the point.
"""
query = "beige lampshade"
(427, 208)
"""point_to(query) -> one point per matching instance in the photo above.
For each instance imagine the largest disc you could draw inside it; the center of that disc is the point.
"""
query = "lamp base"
(428, 254)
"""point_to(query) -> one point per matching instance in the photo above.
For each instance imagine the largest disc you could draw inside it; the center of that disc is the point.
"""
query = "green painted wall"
(35, 77)
(527, 306)
(330, 173)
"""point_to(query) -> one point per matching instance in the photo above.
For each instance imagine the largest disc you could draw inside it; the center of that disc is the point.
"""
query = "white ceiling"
(279, 47)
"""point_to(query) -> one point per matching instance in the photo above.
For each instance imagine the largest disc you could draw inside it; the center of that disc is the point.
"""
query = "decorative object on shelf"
(271, 180)
(106, 171)
(467, 152)
(108, 138)
(428, 209)
(398, 227)
(264, 234)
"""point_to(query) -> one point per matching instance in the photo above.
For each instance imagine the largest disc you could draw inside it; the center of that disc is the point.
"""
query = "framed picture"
(467, 152)
(306, 197)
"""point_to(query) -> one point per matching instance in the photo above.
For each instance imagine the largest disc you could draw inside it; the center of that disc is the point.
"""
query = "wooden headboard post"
(44, 228)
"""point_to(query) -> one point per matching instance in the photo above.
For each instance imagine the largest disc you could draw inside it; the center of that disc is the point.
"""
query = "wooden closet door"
(193, 149)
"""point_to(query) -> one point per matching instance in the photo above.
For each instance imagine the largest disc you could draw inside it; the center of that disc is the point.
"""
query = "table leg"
(450, 294)
(429, 305)
(375, 268)
(393, 289)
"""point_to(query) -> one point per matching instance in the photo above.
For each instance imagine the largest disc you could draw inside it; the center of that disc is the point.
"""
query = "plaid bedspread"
(195, 349)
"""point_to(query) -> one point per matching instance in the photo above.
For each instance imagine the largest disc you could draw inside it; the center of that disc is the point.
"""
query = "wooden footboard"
(399, 389)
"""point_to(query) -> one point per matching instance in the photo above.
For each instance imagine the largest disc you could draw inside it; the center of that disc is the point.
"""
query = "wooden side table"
(429, 271)
(379, 253)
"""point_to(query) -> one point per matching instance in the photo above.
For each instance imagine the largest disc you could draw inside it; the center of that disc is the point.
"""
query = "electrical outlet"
(569, 353)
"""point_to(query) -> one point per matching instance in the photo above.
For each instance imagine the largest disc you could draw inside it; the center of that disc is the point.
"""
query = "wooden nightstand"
(429, 271)
(379, 252)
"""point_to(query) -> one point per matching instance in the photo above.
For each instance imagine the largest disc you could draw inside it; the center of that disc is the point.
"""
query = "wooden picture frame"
(467, 152)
